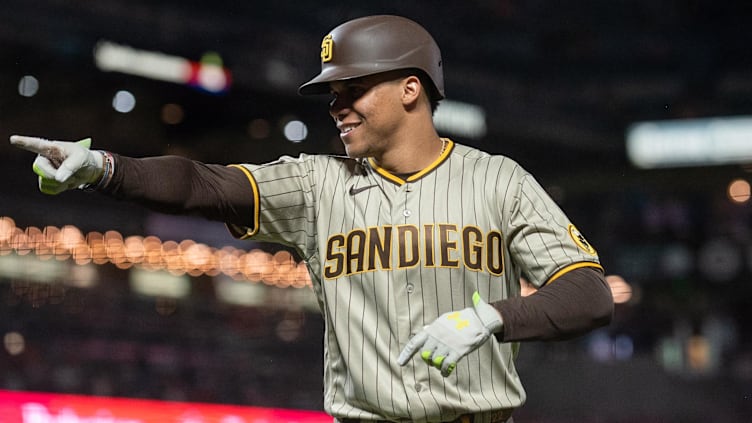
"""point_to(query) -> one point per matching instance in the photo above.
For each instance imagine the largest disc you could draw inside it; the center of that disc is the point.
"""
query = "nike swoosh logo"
(356, 191)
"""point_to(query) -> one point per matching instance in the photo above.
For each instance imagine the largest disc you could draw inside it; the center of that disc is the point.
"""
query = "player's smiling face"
(367, 112)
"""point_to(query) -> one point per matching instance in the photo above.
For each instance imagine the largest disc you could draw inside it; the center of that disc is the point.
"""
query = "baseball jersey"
(387, 256)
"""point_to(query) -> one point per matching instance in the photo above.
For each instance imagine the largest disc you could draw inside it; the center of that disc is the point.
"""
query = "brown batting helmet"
(375, 44)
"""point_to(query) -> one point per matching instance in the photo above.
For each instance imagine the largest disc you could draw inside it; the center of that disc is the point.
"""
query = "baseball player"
(415, 244)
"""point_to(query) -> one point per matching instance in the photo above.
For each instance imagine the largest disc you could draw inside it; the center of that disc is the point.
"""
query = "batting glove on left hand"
(453, 335)
(62, 165)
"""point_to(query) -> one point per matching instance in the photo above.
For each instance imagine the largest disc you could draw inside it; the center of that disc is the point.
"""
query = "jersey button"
(410, 288)
(407, 213)
(418, 387)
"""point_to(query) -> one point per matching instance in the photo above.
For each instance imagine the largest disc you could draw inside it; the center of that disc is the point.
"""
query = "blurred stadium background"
(102, 298)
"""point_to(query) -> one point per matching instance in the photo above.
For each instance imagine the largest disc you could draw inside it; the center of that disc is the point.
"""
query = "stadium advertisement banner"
(32, 407)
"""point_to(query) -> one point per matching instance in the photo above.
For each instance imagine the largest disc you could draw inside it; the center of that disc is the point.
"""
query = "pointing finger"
(40, 146)
(33, 144)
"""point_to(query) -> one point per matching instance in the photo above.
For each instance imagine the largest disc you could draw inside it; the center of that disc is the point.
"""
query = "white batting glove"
(453, 335)
(62, 165)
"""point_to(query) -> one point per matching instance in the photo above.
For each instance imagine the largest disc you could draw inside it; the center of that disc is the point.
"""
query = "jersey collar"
(415, 176)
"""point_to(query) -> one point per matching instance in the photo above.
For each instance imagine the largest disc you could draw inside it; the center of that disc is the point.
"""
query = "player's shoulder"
(504, 164)
(474, 153)
(338, 161)
(312, 159)
(326, 162)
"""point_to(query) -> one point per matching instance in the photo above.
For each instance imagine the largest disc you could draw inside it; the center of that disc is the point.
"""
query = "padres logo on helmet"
(326, 49)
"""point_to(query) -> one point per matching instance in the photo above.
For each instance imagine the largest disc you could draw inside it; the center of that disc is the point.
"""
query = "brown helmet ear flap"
(375, 44)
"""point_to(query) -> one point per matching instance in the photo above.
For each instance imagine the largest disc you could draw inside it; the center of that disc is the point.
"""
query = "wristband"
(108, 171)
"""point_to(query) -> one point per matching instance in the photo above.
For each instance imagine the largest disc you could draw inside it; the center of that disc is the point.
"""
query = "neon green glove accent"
(62, 165)
(437, 360)
(453, 335)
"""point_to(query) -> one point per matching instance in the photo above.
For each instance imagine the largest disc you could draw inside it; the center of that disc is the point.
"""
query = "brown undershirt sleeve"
(573, 304)
(177, 185)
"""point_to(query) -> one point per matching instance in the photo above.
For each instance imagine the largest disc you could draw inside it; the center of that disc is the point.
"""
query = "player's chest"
(379, 225)
(371, 202)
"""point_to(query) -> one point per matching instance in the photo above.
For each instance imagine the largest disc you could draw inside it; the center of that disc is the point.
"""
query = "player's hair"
(425, 80)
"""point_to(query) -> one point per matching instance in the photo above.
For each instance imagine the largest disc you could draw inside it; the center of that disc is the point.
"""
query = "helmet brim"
(320, 83)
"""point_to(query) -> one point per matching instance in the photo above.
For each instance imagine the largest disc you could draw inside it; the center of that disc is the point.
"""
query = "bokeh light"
(28, 86)
(259, 129)
(172, 114)
(14, 343)
(124, 101)
(739, 191)
(620, 289)
(178, 258)
(295, 131)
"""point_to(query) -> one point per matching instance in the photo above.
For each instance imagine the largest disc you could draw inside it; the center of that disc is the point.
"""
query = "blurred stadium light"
(208, 74)
(690, 142)
(462, 119)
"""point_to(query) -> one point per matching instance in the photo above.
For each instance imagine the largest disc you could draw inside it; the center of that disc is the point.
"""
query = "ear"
(411, 90)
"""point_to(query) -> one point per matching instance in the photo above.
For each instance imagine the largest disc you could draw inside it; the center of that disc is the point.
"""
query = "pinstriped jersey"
(387, 256)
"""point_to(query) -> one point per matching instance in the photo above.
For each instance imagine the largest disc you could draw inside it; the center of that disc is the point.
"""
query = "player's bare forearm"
(572, 305)
(177, 185)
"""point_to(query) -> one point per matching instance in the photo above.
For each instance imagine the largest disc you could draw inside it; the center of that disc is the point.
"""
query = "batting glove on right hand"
(454, 335)
(62, 165)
